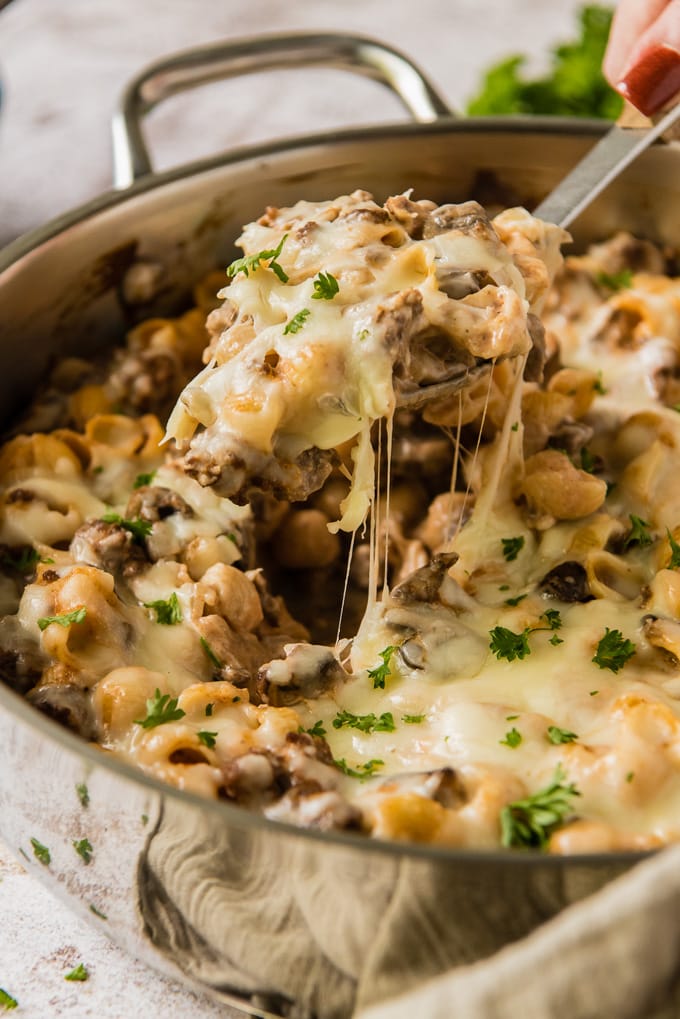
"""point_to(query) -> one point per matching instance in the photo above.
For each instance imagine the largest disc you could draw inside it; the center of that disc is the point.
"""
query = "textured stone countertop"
(62, 65)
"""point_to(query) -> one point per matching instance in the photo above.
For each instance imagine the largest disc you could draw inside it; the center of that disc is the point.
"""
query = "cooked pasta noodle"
(511, 630)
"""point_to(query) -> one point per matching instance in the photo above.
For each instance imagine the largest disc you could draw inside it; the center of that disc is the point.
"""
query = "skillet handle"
(190, 68)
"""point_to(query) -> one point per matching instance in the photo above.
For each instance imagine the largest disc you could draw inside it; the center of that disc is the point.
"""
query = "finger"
(631, 20)
(652, 76)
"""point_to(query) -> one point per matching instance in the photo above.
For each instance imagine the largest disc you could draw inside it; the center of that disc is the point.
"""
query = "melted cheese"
(451, 699)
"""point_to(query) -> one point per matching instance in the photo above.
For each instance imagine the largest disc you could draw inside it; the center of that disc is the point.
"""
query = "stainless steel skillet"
(285, 921)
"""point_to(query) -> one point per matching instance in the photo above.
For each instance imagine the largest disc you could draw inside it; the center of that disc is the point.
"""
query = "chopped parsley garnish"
(364, 771)
(98, 912)
(630, 776)
(553, 619)
(380, 673)
(76, 616)
(515, 426)
(169, 612)
(7, 1001)
(83, 848)
(511, 718)
(207, 739)
(588, 461)
(249, 263)
(79, 973)
(144, 819)
(528, 823)
(23, 561)
(83, 794)
(674, 563)
(139, 529)
(515, 601)
(599, 386)
(555, 640)
(143, 479)
(365, 723)
(615, 280)
(41, 852)
(209, 709)
(556, 735)
(613, 650)
(513, 738)
(413, 719)
(295, 324)
(315, 730)
(160, 708)
(639, 533)
(325, 287)
(508, 644)
(512, 547)
(210, 654)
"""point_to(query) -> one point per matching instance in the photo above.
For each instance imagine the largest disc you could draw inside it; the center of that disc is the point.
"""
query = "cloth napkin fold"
(615, 955)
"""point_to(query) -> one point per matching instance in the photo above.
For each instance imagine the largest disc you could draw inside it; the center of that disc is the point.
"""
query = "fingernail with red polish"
(653, 80)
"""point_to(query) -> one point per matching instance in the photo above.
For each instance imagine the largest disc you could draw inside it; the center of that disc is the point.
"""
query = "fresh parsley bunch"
(574, 87)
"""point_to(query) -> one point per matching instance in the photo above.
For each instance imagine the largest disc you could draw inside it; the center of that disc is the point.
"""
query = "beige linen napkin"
(616, 955)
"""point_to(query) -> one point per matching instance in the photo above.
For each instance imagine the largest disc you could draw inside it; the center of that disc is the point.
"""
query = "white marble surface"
(63, 63)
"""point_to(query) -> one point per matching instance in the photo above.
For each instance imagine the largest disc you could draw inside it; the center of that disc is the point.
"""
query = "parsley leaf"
(613, 650)
(556, 735)
(508, 644)
(76, 616)
(41, 852)
(98, 912)
(512, 547)
(207, 739)
(639, 533)
(553, 619)
(599, 386)
(675, 551)
(83, 848)
(380, 673)
(160, 708)
(79, 973)
(249, 263)
(588, 461)
(315, 730)
(363, 772)
(615, 280)
(530, 822)
(413, 719)
(210, 654)
(23, 561)
(143, 479)
(555, 640)
(167, 612)
(297, 321)
(7, 1001)
(83, 794)
(515, 601)
(325, 287)
(513, 738)
(365, 723)
(139, 529)
(209, 709)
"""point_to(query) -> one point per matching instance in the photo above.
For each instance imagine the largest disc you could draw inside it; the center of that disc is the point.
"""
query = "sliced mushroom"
(568, 582)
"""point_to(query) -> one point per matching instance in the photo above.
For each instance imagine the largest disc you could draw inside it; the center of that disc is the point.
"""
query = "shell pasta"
(454, 621)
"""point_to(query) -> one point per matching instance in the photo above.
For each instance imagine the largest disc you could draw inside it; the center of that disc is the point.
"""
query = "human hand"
(642, 60)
